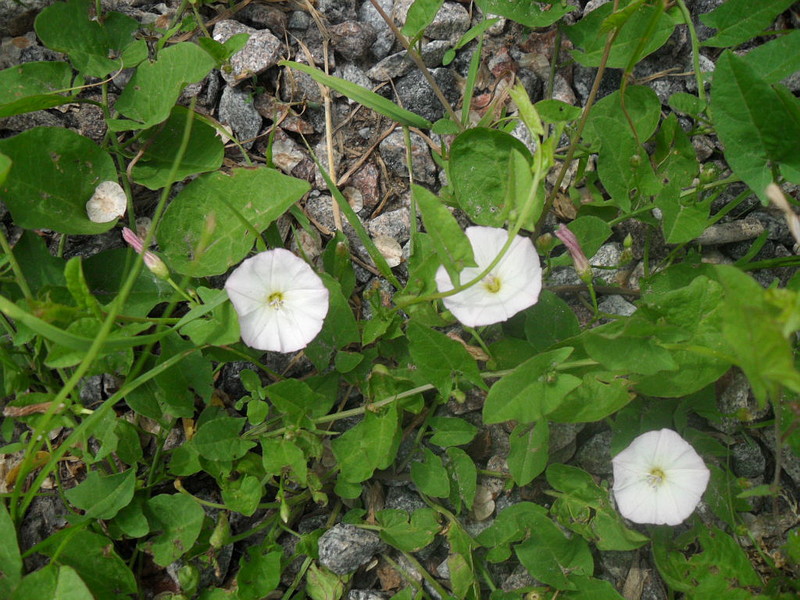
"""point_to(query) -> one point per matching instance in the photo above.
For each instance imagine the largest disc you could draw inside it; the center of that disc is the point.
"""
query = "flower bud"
(578, 257)
(545, 243)
(151, 261)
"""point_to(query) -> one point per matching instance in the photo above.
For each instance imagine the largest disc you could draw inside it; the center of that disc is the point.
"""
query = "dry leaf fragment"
(389, 248)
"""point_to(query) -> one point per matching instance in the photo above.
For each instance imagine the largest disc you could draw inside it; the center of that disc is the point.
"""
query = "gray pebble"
(417, 95)
(393, 153)
(594, 455)
(262, 51)
(344, 548)
(450, 23)
(352, 39)
(748, 459)
(237, 111)
(337, 11)
(384, 36)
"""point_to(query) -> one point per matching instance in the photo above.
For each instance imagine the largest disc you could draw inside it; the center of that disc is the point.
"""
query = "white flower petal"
(107, 203)
(518, 275)
(659, 478)
(280, 301)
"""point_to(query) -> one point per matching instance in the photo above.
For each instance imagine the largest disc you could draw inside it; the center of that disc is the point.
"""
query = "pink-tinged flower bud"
(151, 261)
(578, 257)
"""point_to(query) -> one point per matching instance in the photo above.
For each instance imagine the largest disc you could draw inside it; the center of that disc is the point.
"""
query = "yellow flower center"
(275, 300)
(492, 284)
(656, 477)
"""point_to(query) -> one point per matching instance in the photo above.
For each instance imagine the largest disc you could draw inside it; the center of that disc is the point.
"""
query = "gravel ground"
(258, 99)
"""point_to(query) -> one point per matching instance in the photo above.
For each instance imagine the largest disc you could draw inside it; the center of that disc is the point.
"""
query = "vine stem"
(415, 56)
(17, 509)
(375, 406)
(581, 124)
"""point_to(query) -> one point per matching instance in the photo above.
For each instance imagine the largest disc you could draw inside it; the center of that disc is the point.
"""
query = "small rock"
(703, 146)
(366, 181)
(264, 16)
(593, 5)
(299, 20)
(286, 153)
(402, 498)
(735, 401)
(16, 18)
(616, 305)
(237, 111)
(417, 95)
(320, 208)
(337, 11)
(352, 39)
(299, 87)
(562, 440)
(344, 548)
(594, 455)
(384, 36)
(394, 224)
(450, 23)
(583, 78)
(262, 51)
(91, 122)
(706, 66)
(321, 152)
(501, 63)
(608, 257)
(390, 249)
(391, 67)
(366, 595)
(735, 231)
(748, 459)
(393, 152)
(701, 7)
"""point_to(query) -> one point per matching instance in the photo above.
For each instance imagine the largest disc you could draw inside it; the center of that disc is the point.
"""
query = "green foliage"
(10, 559)
(54, 173)
(643, 29)
(737, 21)
(103, 497)
(212, 224)
(90, 43)
(33, 86)
(154, 88)
(163, 447)
(478, 168)
(755, 125)
(179, 519)
(161, 144)
(526, 12)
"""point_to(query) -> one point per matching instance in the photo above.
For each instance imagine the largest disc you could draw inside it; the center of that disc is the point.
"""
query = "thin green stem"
(18, 508)
(579, 129)
(85, 425)
(415, 56)
(374, 406)
(687, 19)
(522, 218)
(12, 261)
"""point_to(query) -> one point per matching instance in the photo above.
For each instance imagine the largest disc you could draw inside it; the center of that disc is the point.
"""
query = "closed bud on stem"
(708, 174)
(579, 259)
(151, 261)
(545, 243)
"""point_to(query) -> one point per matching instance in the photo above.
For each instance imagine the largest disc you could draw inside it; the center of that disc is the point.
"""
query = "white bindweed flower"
(107, 203)
(511, 286)
(280, 301)
(659, 479)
